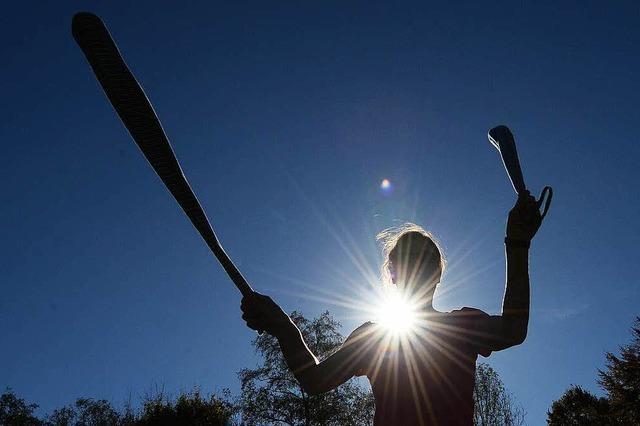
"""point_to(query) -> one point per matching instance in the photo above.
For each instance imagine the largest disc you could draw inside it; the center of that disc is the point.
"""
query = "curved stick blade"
(502, 139)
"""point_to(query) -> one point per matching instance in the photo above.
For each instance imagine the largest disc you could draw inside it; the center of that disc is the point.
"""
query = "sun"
(396, 313)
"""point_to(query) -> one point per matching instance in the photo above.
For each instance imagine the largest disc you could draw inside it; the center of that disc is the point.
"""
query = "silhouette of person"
(426, 376)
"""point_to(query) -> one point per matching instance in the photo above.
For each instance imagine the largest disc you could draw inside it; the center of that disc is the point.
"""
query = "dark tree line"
(188, 409)
(269, 395)
(620, 380)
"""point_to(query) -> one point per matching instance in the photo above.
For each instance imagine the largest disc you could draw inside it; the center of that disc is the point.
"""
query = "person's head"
(413, 260)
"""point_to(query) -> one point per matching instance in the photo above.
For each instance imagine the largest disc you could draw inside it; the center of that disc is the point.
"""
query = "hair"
(390, 237)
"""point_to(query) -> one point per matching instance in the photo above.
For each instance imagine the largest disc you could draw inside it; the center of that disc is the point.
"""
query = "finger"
(249, 309)
(531, 202)
(251, 304)
(532, 211)
(525, 202)
(251, 316)
(254, 299)
(249, 299)
(526, 207)
(254, 320)
(519, 207)
(255, 326)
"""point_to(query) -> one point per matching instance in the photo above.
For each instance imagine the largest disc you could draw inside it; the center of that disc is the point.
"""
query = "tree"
(494, 405)
(578, 407)
(15, 411)
(189, 409)
(621, 380)
(270, 394)
(85, 412)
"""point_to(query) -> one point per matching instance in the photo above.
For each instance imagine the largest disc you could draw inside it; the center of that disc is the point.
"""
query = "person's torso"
(426, 377)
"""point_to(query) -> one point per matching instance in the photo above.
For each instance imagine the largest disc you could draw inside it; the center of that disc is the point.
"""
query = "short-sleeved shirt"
(426, 377)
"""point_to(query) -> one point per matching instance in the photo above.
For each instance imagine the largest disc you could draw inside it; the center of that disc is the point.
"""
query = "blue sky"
(286, 117)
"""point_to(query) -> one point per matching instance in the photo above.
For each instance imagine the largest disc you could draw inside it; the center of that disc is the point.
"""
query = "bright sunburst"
(396, 313)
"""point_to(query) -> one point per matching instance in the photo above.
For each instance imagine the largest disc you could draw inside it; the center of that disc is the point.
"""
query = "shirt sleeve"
(471, 323)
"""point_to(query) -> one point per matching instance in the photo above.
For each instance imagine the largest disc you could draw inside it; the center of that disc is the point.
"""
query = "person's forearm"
(296, 353)
(314, 377)
(515, 306)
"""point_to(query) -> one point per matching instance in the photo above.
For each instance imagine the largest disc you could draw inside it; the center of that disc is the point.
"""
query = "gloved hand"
(261, 313)
(524, 219)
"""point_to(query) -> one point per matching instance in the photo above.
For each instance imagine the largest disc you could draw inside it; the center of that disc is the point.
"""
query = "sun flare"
(397, 314)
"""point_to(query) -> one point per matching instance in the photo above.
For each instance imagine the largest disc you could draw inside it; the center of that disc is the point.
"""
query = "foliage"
(15, 411)
(621, 382)
(578, 407)
(85, 411)
(270, 393)
(621, 379)
(188, 409)
(494, 405)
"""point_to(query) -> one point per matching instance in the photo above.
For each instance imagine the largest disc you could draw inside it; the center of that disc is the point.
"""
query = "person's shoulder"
(365, 326)
(362, 344)
(471, 325)
(367, 330)
(468, 315)
(469, 312)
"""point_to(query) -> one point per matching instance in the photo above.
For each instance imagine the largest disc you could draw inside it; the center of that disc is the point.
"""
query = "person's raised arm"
(510, 328)
(261, 313)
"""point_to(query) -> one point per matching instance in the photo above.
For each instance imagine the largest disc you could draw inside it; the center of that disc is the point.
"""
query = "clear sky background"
(286, 117)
